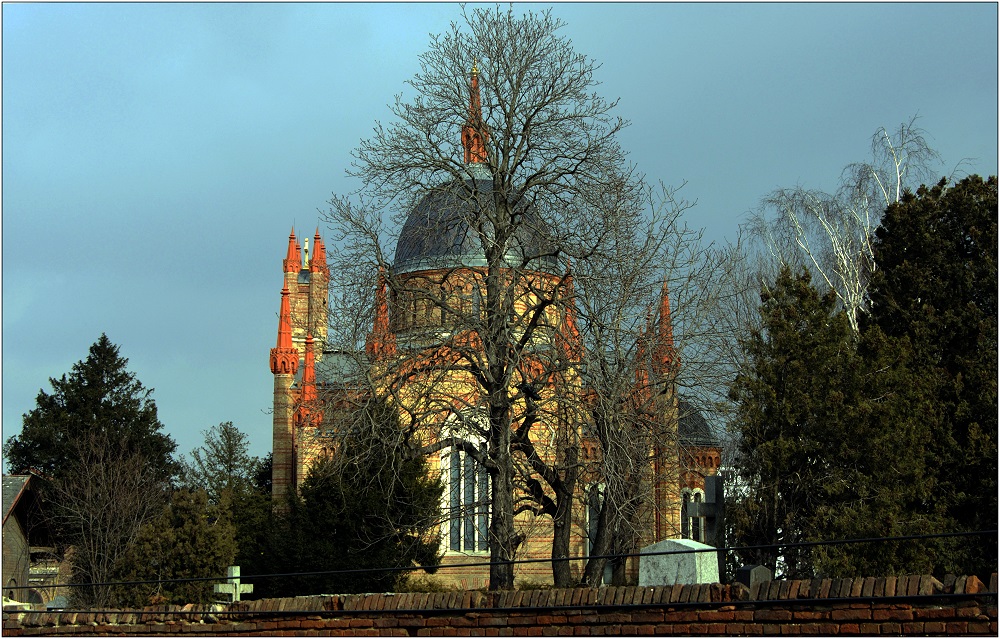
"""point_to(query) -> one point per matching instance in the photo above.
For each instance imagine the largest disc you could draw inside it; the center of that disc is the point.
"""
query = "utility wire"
(477, 564)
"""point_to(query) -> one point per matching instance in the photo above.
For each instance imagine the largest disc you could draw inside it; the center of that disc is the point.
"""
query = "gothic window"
(468, 492)
(692, 523)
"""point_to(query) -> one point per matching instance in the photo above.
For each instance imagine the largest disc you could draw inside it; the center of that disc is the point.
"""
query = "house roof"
(13, 488)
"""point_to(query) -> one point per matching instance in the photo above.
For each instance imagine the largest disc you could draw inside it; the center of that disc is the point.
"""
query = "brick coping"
(777, 591)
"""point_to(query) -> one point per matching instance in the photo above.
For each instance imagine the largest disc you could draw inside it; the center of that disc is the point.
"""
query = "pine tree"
(819, 450)
(99, 396)
(238, 484)
(222, 465)
(191, 538)
(935, 289)
(372, 505)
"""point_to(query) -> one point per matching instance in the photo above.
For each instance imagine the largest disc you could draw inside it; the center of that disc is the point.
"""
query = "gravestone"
(753, 574)
(233, 587)
(680, 568)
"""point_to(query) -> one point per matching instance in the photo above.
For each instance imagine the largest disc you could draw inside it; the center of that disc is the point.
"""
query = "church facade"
(423, 350)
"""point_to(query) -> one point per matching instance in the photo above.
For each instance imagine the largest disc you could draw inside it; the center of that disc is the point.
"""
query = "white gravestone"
(682, 568)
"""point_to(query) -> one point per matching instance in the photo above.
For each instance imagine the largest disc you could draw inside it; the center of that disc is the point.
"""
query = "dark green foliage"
(370, 506)
(99, 396)
(238, 484)
(935, 289)
(222, 465)
(191, 538)
(816, 459)
(252, 516)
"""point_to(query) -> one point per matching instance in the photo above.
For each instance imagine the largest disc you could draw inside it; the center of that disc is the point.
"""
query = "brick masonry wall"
(910, 605)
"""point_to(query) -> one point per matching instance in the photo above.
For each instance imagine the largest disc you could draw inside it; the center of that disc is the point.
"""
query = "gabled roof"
(13, 488)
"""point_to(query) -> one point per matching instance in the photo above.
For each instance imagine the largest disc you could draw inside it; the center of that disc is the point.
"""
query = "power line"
(479, 564)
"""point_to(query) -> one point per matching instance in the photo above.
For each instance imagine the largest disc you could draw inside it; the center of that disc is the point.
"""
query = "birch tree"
(832, 233)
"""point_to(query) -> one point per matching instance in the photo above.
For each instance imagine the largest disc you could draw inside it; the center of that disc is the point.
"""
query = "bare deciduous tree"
(539, 146)
(100, 504)
(832, 233)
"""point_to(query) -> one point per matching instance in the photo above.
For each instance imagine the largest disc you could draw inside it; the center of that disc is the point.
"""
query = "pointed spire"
(665, 357)
(293, 259)
(284, 356)
(309, 373)
(381, 341)
(474, 133)
(285, 321)
(318, 262)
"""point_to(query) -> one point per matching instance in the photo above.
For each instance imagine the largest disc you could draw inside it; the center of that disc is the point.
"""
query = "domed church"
(423, 349)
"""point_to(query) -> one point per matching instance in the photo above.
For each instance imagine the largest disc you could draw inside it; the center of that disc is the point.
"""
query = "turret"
(474, 133)
(665, 358)
(284, 365)
(319, 294)
(381, 341)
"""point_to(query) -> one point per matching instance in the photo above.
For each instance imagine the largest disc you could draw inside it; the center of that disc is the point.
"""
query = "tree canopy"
(189, 538)
(99, 396)
(935, 289)
(370, 506)
(890, 430)
(223, 464)
(830, 444)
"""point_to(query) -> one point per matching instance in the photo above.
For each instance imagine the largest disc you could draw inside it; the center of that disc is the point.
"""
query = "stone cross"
(233, 587)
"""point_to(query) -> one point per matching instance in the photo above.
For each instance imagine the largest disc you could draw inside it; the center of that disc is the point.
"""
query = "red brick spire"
(474, 133)
(318, 262)
(285, 357)
(309, 373)
(665, 358)
(381, 341)
(308, 411)
(572, 342)
(293, 259)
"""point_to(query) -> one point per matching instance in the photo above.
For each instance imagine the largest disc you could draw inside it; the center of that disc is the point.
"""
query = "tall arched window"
(692, 523)
(468, 489)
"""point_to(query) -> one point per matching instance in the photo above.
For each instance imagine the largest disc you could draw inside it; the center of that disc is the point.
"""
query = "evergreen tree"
(191, 538)
(238, 484)
(371, 505)
(935, 289)
(223, 464)
(99, 396)
(816, 460)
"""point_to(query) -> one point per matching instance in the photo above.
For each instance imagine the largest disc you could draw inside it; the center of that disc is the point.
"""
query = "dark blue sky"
(156, 155)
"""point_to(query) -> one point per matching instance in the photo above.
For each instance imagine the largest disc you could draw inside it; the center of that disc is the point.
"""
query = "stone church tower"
(302, 326)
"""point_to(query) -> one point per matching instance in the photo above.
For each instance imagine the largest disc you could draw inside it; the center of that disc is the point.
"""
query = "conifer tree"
(191, 537)
(823, 452)
(99, 396)
(97, 436)
(237, 484)
(935, 289)
(223, 464)
(371, 505)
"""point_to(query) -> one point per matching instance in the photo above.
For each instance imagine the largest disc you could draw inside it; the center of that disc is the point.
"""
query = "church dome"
(436, 234)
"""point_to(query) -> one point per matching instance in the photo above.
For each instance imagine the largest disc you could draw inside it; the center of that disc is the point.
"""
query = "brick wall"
(911, 605)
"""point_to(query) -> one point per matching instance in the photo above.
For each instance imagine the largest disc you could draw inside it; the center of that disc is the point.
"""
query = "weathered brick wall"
(912, 605)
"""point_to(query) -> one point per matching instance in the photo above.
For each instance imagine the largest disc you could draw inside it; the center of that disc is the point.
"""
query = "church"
(422, 351)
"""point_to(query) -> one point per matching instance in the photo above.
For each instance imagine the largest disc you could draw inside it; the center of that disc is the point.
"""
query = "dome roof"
(693, 428)
(436, 235)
